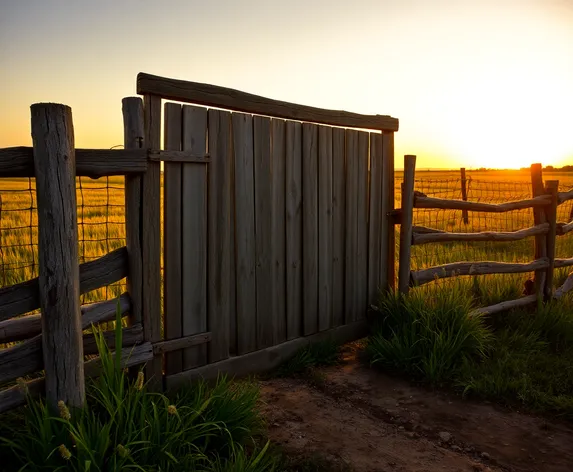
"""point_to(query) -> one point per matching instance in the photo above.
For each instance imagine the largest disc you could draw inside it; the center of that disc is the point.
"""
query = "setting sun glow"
(474, 84)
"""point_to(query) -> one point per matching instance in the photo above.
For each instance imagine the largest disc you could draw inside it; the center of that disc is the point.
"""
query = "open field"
(101, 222)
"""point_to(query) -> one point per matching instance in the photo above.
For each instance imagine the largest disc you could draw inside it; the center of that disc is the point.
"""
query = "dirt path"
(361, 420)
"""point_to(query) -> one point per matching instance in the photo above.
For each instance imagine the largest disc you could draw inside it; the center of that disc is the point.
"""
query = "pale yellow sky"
(486, 83)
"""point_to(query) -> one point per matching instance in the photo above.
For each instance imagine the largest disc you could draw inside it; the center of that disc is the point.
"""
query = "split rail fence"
(544, 201)
(275, 235)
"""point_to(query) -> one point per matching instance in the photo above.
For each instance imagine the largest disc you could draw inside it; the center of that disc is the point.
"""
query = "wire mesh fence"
(101, 228)
(483, 191)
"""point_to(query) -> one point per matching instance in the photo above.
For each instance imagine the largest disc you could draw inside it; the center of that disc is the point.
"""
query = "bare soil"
(353, 418)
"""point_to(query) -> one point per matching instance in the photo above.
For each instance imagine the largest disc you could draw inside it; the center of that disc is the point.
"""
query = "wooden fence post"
(151, 241)
(552, 188)
(133, 135)
(406, 224)
(539, 218)
(388, 236)
(55, 168)
(465, 215)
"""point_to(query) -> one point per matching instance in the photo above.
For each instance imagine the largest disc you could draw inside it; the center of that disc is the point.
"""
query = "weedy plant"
(427, 337)
(126, 427)
(522, 357)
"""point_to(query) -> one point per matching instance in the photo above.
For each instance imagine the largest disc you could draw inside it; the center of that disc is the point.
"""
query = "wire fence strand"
(101, 228)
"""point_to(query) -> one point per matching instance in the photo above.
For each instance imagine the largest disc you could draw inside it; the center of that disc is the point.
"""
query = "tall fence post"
(539, 218)
(465, 215)
(388, 236)
(133, 134)
(151, 240)
(59, 281)
(406, 224)
(552, 188)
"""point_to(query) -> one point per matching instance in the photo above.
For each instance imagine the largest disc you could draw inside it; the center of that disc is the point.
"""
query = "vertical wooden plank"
(151, 241)
(465, 215)
(59, 281)
(388, 237)
(245, 232)
(133, 135)
(293, 205)
(375, 220)
(351, 253)
(279, 229)
(310, 227)
(263, 229)
(172, 255)
(325, 229)
(362, 225)
(537, 189)
(552, 188)
(339, 225)
(220, 234)
(194, 234)
(406, 224)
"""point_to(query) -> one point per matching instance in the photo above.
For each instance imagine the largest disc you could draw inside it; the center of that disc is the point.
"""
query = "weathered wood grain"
(267, 359)
(564, 196)
(338, 226)
(552, 190)
(464, 184)
(439, 236)
(181, 343)
(220, 233)
(293, 210)
(388, 237)
(243, 149)
(130, 356)
(375, 218)
(351, 228)
(310, 227)
(278, 228)
(406, 226)
(564, 228)
(151, 240)
(263, 229)
(421, 277)
(504, 306)
(441, 203)
(24, 297)
(59, 277)
(559, 263)
(133, 138)
(325, 228)
(170, 155)
(194, 226)
(230, 99)
(362, 226)
(566, 287)
(172, 237)
(26, 358)
(94, 163)
(18, 329)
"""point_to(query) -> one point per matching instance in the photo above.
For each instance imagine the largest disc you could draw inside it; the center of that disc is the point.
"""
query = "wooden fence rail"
(546, 229)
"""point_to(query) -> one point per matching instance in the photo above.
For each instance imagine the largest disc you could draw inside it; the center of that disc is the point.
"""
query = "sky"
(485, 83)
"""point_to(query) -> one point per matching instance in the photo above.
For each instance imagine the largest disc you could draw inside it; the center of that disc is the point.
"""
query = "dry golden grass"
(101, 227)
(101, 221)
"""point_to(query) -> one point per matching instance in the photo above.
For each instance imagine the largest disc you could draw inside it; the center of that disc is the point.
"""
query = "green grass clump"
(532, 363)
(519, 358)
(125, 427)
(427, 338)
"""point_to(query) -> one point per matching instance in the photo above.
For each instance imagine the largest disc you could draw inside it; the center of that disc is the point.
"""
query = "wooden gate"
(276, 229)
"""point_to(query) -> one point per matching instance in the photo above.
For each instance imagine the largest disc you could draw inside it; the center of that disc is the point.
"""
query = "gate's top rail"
(235, 100)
